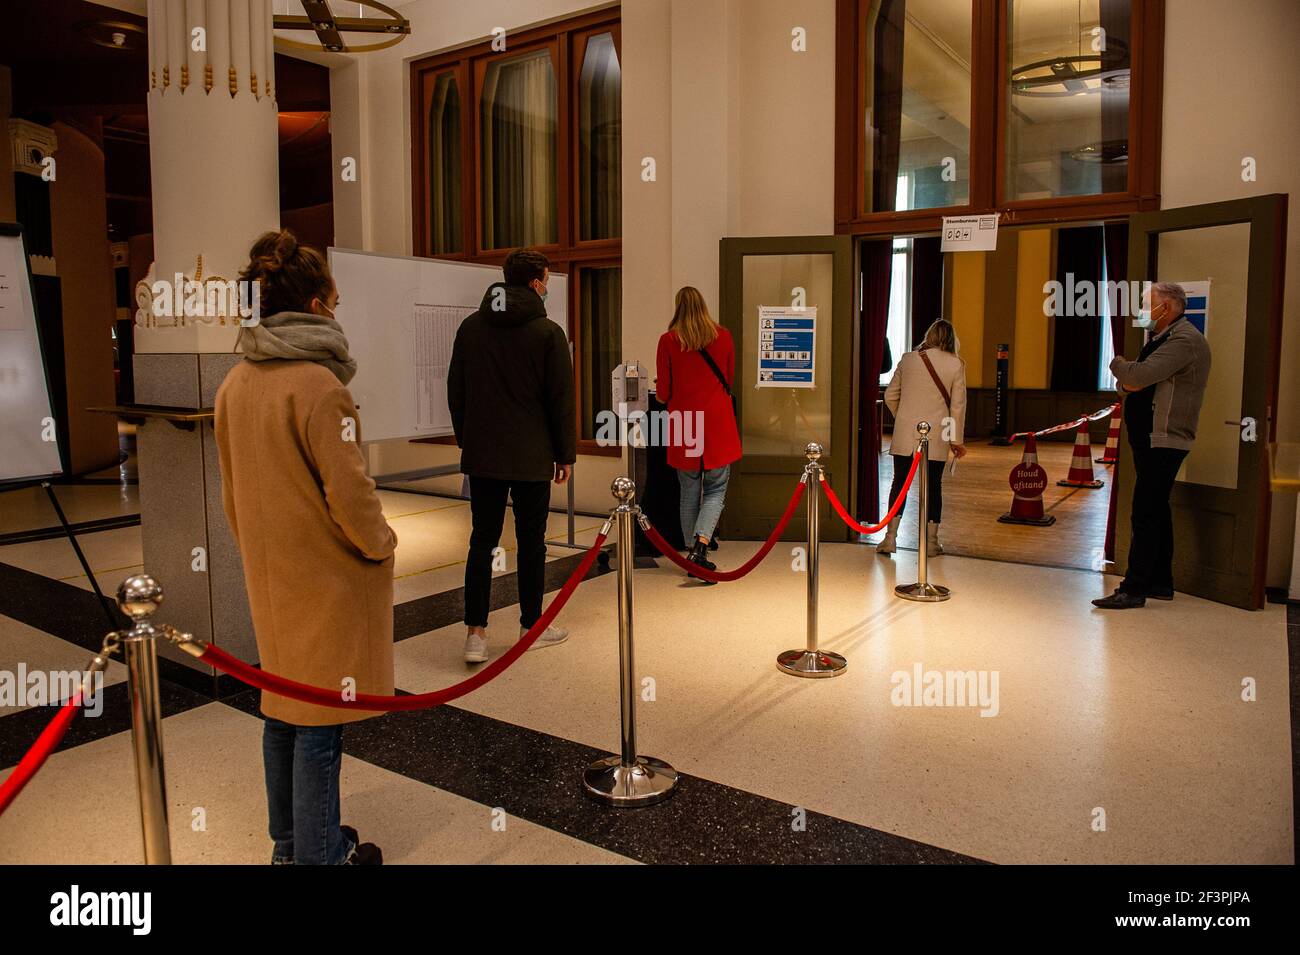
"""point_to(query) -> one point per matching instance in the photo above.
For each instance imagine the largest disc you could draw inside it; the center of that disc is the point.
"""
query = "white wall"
(1230, 92)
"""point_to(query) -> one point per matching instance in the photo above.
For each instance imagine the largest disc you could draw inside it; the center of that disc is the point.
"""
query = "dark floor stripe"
(537, 777)
(19, 730)
(85, 527)
(414, 617)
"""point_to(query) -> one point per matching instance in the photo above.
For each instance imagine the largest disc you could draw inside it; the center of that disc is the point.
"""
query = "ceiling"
(59, 72)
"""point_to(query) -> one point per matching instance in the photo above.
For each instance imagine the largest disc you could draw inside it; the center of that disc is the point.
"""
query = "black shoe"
(1161, 594)
(1120, 600)
(697, 556)
(350, 834)
(713, 542)
(365, 853)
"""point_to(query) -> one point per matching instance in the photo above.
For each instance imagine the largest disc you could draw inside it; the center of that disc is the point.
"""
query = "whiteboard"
(400, 315)
(26, 416)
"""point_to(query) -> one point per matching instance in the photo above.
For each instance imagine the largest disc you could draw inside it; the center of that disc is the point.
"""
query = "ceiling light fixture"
(329, 29)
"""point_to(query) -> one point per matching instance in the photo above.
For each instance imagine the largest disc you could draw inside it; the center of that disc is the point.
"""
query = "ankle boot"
(890, 543)
(932, 546)
(699, 557)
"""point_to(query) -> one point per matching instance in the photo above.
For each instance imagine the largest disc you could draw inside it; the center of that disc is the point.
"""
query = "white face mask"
(1144, 319)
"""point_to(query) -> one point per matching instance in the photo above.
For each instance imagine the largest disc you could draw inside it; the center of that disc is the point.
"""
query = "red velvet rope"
(418, 701)
(35, 757)
(847, 518)
(667, 550)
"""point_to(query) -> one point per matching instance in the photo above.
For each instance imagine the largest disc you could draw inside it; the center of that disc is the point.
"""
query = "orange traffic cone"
(1081, 462)
(1028, 481)
(1111, 454)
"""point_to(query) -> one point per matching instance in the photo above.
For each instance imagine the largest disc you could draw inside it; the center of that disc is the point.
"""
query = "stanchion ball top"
(623, 489)
(813, 452)
(139, 596)
(923, 428)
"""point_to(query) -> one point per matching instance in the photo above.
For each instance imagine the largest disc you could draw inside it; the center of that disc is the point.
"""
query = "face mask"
(328, 310)
(542, 293)
(1144, 319)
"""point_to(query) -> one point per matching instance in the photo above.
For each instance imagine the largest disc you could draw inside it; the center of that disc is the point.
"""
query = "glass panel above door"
(1067, 98)
(917, 103)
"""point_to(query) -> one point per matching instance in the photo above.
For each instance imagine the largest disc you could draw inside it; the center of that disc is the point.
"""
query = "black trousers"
(531, 502)
(1151, 552)
(934, 469)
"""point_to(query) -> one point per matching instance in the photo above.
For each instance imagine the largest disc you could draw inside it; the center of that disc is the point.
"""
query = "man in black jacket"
(510, 393)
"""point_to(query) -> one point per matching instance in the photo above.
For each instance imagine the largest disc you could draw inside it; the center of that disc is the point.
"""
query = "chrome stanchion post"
(627, 779)
(139, 597)
(923, 589)
(811, 661)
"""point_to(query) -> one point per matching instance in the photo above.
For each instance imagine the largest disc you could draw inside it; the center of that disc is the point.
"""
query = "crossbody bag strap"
(717, 371)
(935, 375)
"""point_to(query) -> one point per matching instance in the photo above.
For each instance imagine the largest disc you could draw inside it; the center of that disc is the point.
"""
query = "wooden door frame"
(1267, 217)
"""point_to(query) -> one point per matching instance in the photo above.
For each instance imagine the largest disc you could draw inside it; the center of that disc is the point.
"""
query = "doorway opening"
(1001, 304)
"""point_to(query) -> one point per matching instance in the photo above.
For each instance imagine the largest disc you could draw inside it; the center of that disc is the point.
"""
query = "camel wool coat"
(912, 397)
(317, 552)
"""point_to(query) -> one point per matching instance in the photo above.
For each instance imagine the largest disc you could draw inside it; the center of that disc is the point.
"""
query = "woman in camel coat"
(914, 396)
(317, 552)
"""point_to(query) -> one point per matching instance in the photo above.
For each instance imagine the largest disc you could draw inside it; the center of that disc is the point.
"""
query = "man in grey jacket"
(1163, 392)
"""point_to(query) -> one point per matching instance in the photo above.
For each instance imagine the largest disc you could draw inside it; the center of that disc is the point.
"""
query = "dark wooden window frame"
(567, 41)
(988, 142)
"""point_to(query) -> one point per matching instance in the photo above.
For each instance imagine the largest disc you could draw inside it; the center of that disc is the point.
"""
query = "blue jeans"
(302, 793)
(703, 495)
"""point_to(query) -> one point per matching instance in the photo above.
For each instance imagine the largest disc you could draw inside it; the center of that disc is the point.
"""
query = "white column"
(213, 149)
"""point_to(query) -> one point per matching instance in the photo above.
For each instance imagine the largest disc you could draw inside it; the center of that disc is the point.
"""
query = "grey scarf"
(302, 337)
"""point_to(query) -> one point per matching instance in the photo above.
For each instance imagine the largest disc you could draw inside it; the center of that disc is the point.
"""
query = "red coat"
(686, 385)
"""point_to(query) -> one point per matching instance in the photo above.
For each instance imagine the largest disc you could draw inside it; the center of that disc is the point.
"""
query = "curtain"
(518, 148)
(600, 140)
(1076, 340)
(927, 286)
(886, 39)
(444, 162)
(601, 335)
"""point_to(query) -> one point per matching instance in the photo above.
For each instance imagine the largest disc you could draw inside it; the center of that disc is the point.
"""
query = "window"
(518, 180)
(1067, 89)
(916, 102)
(523, 147)
(1042, 110)
(444, 166)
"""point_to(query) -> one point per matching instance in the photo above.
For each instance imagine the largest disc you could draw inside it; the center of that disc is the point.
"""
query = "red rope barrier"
(847, 518)
(1105, 412)
(725, 575)
(35, 757)
(369, 701)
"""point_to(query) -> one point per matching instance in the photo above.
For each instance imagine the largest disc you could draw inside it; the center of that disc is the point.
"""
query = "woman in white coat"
(929, 384)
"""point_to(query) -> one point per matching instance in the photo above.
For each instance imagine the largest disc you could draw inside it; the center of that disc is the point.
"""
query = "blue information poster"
(787, 344)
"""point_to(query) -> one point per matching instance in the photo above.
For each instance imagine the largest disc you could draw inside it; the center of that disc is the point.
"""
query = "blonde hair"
(695, 328)
(941, 335)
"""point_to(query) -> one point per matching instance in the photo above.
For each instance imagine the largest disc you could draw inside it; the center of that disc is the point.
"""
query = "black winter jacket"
(510, 389)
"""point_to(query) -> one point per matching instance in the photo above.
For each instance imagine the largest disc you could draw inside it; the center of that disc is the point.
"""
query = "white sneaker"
(550, 637)
(476, 648)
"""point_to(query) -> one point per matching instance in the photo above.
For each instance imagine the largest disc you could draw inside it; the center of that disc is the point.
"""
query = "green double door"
(776, 423)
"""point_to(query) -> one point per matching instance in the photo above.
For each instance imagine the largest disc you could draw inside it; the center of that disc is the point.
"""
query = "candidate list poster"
(787, 346)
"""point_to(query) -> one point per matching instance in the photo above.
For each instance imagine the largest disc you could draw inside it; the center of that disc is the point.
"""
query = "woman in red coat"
(696, 365)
